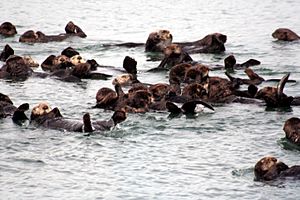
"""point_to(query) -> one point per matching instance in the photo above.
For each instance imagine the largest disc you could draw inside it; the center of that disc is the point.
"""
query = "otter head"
(69, 52)
(123, 79)
(119, 116)
(81, 70)
(263, 166)
(28, 36)
(157, 41)
(41, 109)
(58, 60)
(197, 73)
(70, 27)
(30, 62)
(292, 130)
(140, 99)
(8, 29)
(159, 91)
(285, 34)
(173, 49)
(195, 91)
(77, 59)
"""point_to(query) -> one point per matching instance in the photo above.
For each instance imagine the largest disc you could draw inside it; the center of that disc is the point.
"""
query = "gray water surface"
(149, 156)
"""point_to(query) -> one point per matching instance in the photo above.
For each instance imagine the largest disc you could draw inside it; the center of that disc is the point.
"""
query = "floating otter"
(7, 29)
(212, 43)
(268, 168)
(285, 34)
(292, 130)
(158, 40)
(39, 37)
(43, 115)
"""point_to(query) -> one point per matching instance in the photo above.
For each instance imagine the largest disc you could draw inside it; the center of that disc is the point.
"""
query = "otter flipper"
(189, 107)
(172, 108)
(129, 64)
(87, 124)
(19, 114)
(281, 85)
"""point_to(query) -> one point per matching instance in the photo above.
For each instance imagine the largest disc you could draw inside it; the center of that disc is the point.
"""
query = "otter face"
(172, 49)
(77, 59)
(263, 166)
(41, 109)
(159, 90)
(198, 73)
(30, 62)
(157, 41)
(60, 59)
(70, 27)
(123, 80)
(285, 34)
(292, 130)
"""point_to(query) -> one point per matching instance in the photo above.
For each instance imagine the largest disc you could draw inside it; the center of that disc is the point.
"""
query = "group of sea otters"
(189, 84)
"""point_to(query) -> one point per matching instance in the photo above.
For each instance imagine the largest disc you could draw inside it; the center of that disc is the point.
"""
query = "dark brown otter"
(292, 130)
(15, 68)
(268, 168)
(7, 29)
(212, 43)
(39, 37)
(43, 115)
(285, 34)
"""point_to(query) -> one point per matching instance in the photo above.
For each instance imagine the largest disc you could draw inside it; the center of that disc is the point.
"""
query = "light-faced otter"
(77, 59)
(39, 37)
(7, 51)
(43, 115)
(7, 29)
(269, 168)
(285, 34)
(292, 130)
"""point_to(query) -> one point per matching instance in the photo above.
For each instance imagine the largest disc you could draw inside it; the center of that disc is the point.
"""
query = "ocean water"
(149, 156)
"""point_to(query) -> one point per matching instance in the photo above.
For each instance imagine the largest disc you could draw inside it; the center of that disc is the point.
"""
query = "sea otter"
(268, 168)
(43, 115)
(7, 29)
(292, 130)
(285, 34)
(158, 41)
(39, 37)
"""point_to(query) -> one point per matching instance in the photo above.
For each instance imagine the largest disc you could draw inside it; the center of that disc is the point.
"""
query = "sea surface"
(149, 156)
